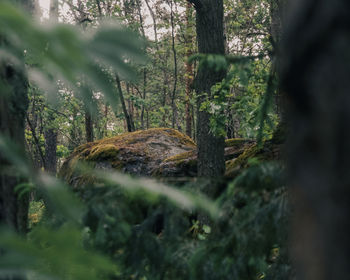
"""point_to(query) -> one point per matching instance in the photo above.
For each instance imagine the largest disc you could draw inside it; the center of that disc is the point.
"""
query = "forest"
(174, 139)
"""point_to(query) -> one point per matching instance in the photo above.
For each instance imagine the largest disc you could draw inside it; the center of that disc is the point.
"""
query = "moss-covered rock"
(159, 152)
(268, 151)
(138, 153)
(185, 164)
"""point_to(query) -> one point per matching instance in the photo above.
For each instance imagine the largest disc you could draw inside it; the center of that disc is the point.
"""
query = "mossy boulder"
(138, 153)
(185, 164)
(159, 152)
(267, 151)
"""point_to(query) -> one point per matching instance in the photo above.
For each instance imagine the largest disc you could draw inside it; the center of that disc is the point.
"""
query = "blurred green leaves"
(152, 191)
(63, 52)
(52, 254)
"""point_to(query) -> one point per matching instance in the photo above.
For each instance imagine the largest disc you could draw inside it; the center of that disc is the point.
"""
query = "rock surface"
(138, 153)
(159, 152)
(185, 164)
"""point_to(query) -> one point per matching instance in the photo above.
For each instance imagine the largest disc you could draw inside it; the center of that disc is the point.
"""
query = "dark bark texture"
(13, 107)
(50, 134)
(315, 76)
(210, 36)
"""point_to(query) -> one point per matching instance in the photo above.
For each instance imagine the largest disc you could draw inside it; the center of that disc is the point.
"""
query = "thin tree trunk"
(143, 97)
(189, 71)
(153, 16)
(173, 96)
(129, 122)
(41, 162)
(106, 121)
(144, 69)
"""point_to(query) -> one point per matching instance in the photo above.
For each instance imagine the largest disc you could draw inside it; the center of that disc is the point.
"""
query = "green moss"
(124, 148)
(233, 166)
(102, 152)
(236, 142)
(180, 157)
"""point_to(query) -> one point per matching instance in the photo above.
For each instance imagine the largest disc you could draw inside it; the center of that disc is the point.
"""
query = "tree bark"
(129, 122)
(315, 76)
(13, 107)
(50, 135)
(189, 70)
(51, 132)
(173, 96)
(276, 8)
(89, 126)
(210, 36)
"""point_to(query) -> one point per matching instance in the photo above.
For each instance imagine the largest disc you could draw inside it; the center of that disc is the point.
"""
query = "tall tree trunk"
(315, 77)
(13, 107)
(173, 96)
(144, 69)
(276, 8)
(210, 36)
(51, 132)
(189, 70)
(144, 98)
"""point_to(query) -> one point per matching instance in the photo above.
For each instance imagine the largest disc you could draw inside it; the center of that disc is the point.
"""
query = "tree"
(315, 77)
(210, 37)
(51, 132)
(189, 69)
(13, 107)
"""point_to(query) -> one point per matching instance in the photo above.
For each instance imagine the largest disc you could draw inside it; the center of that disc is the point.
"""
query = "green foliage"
(52, 254)
(62, 151)
(247, 90)
(127, 228)
(244, 241)
(35, 212)
(69, 56)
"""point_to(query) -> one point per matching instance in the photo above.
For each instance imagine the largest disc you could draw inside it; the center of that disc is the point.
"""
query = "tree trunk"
(89, 126)
(276, 8)
(315, 77)
(173, 96)
(154, 23)
(50, 135)
(129, 122)
(210, 36)
(189, 70)
(13, 107)
(144, 98)
(50, 132)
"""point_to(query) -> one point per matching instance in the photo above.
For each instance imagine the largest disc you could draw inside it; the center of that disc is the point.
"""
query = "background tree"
(315, 78)
(210, 37)
(13, 107)
(51, 132)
